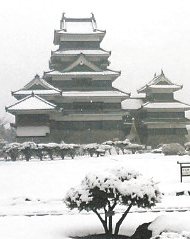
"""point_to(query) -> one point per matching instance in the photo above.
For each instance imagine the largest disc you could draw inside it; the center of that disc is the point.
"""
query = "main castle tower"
(74, 101)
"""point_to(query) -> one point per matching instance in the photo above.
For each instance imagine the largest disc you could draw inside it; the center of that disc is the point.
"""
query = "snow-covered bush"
(158, 150)
(51, 149)
(173, 149)
(134, 147)
(103, 148)
(67, 150)
(102, 192)
(12, 150)
(90, 149)
(28, 149)
(109, 142)
(121, 145)
(174, 222)
(38, 151)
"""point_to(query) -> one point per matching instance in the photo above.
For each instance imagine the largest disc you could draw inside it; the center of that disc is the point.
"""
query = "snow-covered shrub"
(134, 147)
(121, 145)
(157, 150)
(12, 150)
(90, 149)
(67, 150)
(171, 223)
(27, 149)
(173, 149)
(38, 151)
(102, 192)
(103, 148)
(109, 142)
(51, 149)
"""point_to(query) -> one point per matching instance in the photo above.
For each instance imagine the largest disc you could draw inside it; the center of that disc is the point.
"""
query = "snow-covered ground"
(35, 188)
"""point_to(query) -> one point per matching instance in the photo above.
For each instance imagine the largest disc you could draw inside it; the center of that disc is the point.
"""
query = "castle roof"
(175, 105)
(37, 86)
(96, 75)
(160, 83)
(31, 102)
(66, 52)
(113, 93)
(79, 25)
(82, 27)
(132, 104)
(83, 73)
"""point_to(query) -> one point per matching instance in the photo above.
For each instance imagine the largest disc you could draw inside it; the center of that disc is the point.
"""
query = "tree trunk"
(118, 224)
(104, 224)
(110, 225)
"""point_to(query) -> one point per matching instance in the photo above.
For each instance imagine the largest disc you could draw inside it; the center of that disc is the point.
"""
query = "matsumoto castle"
(75, 101)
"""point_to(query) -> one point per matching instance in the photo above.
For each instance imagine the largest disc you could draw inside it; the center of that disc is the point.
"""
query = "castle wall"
(77, 136)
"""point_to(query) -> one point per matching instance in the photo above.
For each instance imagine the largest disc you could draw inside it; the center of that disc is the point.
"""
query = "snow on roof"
(113, 93)
(165, 86)
(49, 89)
(160, 81)
(39, 81)
(138, 95)
(82, 60)
(83, 51)
(31, 102)
(166, 105)
(36, 92)
(131, 104)
(106, 72)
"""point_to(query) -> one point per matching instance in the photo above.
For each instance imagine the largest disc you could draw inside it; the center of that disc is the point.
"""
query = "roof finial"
(36, 76)
(32, 94)
(162, 72)
(63, 16)
(92, 15)
(62, 25)
(93, 22)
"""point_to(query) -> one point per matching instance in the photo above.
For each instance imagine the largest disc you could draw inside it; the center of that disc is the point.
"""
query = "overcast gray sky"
(143, 35)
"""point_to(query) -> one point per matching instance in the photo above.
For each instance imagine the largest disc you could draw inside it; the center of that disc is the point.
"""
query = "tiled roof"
(36, 92)
(37, 81)
(113, 93)
(131, 104)
(31, 102)
(79, 25)
(160, 82)
(166, 105)
(73, 73)
(83, 51)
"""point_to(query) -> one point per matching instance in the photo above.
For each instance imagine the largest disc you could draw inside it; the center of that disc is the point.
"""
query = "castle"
(75, 101)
